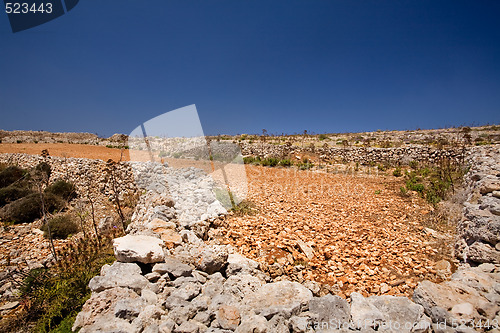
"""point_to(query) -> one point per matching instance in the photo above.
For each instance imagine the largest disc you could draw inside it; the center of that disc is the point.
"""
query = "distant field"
(65, 150)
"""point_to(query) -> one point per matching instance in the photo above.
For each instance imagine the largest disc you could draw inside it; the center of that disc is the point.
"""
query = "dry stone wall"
(84, 173)
(361, 155)
(479, 230)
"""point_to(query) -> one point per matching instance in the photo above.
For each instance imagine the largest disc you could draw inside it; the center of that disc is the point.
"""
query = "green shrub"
(29, 208)
(403, 190)
(433, 183)
(245, 207)
(63, 189)
(12, 193)
(305, 166)
(397, 172)
(413, 164)
(413, 186)
(54, 296)
(249, 159)
(271, 161)
(61, 226)
(43, 171)
(225, 197)
(10, 175)
(285, 162)
(322, 137)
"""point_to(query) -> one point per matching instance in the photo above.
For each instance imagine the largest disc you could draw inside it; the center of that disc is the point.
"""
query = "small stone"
(254, 324)
(159, 223)
(153, 276)
(188, 327)
(174, 267)
(213, 259)
(364, 313)
(298, 324)
(487, 267)
(330, 308)
(228, 317)
(9, 306)
(308, 251)
(187, 291)
(489, 185)
(170, 237)
(463, 309)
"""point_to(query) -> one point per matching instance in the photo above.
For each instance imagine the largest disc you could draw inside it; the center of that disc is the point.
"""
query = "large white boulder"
(138, 248)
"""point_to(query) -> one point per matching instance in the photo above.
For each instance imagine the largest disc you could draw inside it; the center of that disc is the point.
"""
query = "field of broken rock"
(353, 232)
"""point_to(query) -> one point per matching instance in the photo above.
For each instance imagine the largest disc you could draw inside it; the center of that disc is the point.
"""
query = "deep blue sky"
(325, 66)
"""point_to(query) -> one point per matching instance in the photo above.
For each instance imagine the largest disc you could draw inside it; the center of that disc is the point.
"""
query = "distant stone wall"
(79, 171)
(362, 155)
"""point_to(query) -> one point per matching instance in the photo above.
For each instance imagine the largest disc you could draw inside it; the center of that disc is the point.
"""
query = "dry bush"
(63, 189)
(12, 193)
(29, 208)
(10, 175)
(61, 226)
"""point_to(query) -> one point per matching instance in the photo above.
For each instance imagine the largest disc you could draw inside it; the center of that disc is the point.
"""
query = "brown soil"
(65, 150)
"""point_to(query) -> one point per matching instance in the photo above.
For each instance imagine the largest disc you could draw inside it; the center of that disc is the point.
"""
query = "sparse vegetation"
(61, 226)
(435, 182)
(10, 175)
(29, 208)
(53, 296)
(245, 207)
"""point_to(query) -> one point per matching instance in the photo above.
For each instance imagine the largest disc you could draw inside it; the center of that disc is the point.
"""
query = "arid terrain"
(399, 226)
(353, 231)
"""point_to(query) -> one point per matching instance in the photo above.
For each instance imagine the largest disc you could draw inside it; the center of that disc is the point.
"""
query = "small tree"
(115, 195)
(40, 178)
(90, 185)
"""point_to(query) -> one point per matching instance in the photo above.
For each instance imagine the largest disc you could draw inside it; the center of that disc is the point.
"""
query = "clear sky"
(286, 66)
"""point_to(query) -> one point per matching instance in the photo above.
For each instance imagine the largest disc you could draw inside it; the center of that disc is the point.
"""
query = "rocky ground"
(354, 232)
(167, 279)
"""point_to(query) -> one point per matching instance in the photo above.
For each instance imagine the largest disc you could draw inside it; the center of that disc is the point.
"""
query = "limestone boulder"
(138, 248)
